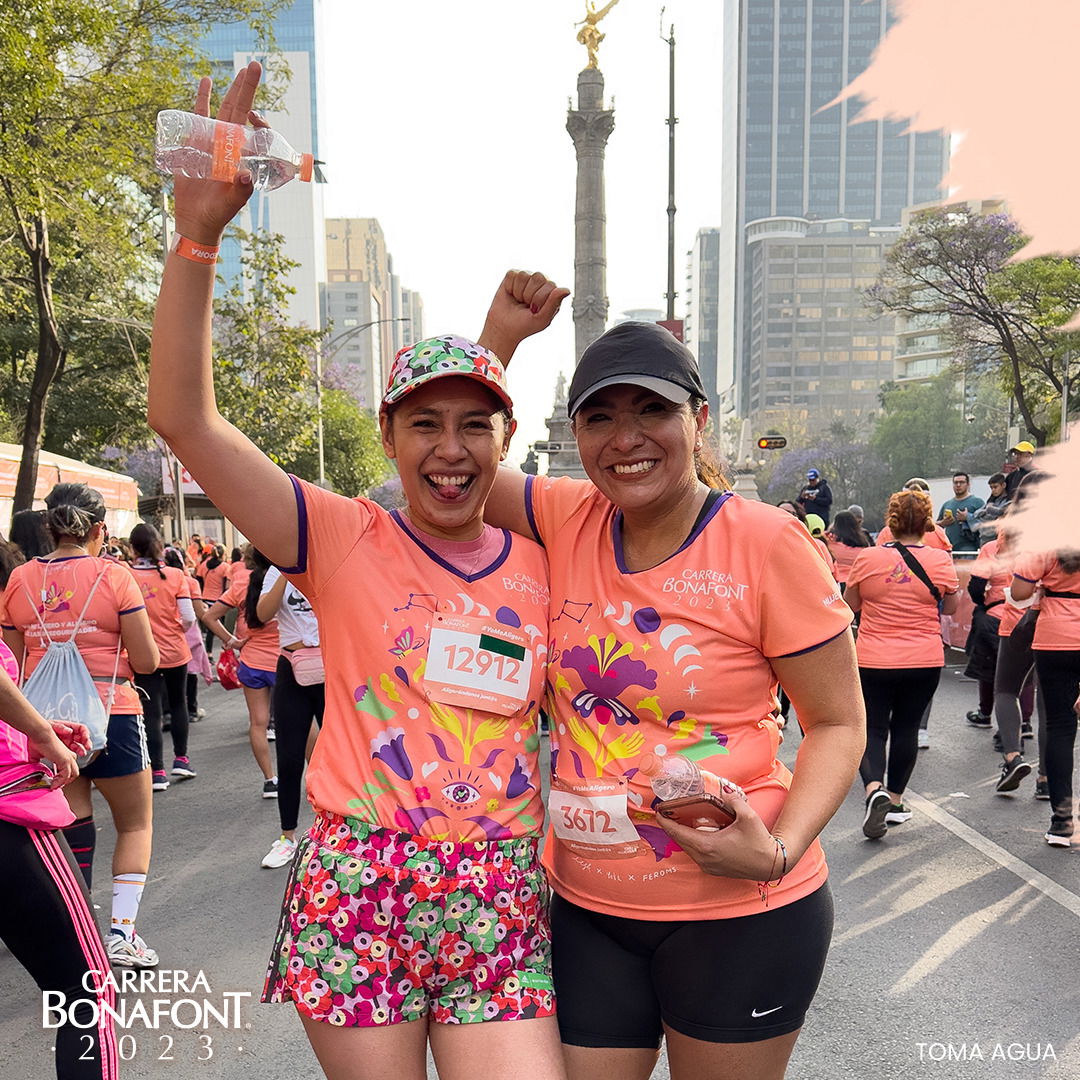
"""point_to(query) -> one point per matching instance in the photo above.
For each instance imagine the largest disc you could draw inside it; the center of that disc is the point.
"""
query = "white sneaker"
(924, 739)
(132, 954)
(280, 853)
(271, 734)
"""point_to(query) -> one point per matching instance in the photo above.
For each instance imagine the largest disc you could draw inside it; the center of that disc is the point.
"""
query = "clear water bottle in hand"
(688, 793)
(200, 147)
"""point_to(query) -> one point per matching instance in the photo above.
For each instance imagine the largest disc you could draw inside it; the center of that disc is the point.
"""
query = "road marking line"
(1035, 878)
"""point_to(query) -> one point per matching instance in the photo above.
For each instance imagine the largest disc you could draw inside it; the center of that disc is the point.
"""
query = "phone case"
(692, 808)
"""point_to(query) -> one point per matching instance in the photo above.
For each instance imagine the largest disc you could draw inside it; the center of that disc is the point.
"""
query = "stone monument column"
(589, 126)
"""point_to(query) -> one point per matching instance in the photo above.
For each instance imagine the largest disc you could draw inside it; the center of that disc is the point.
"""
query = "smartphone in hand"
(706, 812)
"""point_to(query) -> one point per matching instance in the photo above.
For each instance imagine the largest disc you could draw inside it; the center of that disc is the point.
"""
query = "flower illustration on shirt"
(900, 575)
(54, 599)
(606, 670)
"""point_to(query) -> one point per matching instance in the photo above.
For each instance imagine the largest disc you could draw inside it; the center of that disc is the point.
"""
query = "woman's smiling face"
(447, 438)
(638, 447)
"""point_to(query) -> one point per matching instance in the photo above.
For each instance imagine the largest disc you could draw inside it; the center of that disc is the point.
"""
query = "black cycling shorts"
(619, 981)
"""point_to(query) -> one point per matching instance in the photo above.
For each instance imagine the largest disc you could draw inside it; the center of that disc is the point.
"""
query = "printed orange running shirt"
(160, 596)
(670, 660)
(1058, 627)
(434, 677)
(261, 646)
(900, 626)
(59, 588)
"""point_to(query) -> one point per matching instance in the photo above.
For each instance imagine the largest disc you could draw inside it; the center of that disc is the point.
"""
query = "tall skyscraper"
(784, 60)
(295, 210)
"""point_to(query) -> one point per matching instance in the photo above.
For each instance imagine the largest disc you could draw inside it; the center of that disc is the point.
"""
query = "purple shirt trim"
(812, 648)
(301, 531)
(1030, 581)
(62, 558)
(499, 559)
(529, 480)
(129, 610)
(617, 536)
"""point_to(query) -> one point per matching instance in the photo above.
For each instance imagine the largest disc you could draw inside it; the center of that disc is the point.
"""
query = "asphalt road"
(956, 953)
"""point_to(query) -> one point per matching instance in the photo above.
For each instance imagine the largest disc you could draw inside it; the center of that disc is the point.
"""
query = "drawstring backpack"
(61, 687)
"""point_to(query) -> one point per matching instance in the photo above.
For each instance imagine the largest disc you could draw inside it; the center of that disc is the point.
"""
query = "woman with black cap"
(677, 607)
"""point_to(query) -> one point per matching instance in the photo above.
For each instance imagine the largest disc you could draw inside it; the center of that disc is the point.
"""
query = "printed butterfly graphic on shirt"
(900, 575)
(54, 599)
(405, 643)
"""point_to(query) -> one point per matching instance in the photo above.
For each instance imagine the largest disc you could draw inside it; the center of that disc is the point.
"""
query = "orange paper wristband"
(188, 249)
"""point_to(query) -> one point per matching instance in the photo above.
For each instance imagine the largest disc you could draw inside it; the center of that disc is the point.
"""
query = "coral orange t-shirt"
(1058, 628)
(59, 588)
(936, 539)
(670, 660)
(900, 626)
(995, 566)
(261, 647)
(214, 582)
(844, 556)
(160, 596)
(434, 677)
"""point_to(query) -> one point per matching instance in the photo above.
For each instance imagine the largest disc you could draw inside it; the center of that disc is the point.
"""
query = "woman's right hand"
(59, 745)
(202, 208)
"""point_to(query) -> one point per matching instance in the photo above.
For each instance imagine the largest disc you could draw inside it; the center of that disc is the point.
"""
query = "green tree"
(920, 430)
(352, 449)
(80, 83)
(264, 367)
(951, 269)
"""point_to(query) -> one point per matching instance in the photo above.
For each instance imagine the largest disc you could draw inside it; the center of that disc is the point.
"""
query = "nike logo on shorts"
(754, 1013)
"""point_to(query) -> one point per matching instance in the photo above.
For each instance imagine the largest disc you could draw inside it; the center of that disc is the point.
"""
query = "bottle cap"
(650, 765)
(307, 166)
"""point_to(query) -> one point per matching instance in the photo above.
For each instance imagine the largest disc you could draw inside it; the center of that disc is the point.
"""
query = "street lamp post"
(337, 342)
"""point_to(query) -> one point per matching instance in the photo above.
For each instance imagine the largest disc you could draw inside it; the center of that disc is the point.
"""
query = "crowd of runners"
(646, 612)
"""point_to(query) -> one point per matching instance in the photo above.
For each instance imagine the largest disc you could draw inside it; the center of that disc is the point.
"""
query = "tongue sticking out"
(450, 491)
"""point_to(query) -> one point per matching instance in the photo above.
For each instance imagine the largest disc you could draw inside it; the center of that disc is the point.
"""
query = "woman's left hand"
(744, 849)
(60, 746)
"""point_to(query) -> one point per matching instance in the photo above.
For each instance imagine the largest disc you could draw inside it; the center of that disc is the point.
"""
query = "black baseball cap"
(641, 354)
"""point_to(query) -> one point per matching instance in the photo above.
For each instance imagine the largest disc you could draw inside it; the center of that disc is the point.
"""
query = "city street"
(955, 956)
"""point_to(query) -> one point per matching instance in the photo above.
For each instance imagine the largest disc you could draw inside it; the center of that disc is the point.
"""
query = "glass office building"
(783, 158)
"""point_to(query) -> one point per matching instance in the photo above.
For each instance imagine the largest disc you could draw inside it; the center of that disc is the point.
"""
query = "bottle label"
(228, 142)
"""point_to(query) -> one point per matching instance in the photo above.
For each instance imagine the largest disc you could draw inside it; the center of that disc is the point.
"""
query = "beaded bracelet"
(765, 886)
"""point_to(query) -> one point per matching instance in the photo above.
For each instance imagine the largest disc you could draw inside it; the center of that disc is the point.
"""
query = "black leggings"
(172, 682)
(294, 708)
(895, 699)
(1059, 680)
(45, 921)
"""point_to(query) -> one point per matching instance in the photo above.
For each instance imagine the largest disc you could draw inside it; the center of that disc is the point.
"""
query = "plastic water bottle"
(676, 777)
(187, 144)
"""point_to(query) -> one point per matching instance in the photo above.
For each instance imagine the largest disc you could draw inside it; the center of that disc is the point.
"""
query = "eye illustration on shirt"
(461, 790)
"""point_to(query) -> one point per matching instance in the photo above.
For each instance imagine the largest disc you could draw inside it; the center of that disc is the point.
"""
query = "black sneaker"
(1042, 790)
(1012, 772)
(978, 719)
(1060, 833)
(269, 789)
(898, 814)
(873, 822)
(1025, 730)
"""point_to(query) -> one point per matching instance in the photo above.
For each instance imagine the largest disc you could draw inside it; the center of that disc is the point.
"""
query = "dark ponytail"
(259, 565)
(146, 542)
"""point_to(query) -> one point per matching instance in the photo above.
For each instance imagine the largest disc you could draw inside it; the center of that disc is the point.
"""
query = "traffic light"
(771, 442)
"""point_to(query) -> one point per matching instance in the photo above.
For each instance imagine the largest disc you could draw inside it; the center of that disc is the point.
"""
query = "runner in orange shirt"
(677, 607)
(900, 590)
(416, 909)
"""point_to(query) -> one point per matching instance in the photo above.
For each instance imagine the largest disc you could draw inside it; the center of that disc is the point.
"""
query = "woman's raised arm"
(248, 488)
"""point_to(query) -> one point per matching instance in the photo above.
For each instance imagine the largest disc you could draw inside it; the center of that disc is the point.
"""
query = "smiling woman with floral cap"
(416, 906)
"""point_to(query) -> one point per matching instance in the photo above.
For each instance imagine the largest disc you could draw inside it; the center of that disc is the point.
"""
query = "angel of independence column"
(589, 126)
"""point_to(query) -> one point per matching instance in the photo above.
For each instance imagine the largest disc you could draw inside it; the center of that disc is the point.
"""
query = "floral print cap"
(447, 354)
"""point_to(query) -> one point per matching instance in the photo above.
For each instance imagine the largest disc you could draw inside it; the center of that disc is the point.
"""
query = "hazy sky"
(447, 122)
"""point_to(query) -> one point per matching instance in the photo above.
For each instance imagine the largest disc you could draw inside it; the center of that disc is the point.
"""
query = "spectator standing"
(994, 508)
(816, 496)
(955, 514)
(1020, 458)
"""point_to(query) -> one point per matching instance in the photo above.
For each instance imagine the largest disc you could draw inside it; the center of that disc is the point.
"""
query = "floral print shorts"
(379, 927)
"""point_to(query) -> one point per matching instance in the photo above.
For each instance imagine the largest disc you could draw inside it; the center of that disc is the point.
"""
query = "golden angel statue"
(589, 35)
